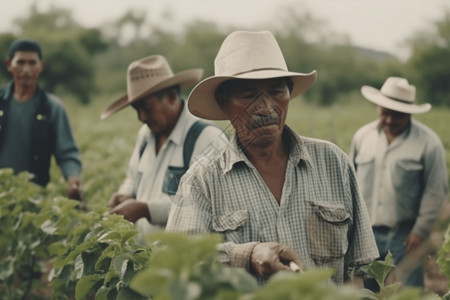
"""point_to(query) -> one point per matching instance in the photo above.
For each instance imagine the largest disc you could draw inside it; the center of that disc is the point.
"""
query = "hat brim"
(202, 102)
(374, 95)
(184, 79)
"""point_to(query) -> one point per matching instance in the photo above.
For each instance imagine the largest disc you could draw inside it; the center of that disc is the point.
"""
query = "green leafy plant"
(93, 254)
(379, 270)
(22, 243)
(311, 284)
(184, 267)
(89, 253)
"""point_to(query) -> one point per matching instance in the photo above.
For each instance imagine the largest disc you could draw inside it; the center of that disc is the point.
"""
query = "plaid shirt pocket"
(327, 229)
(231, 225)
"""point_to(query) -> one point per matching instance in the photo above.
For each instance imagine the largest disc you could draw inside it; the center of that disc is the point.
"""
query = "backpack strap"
(189, 141)
(142, 148)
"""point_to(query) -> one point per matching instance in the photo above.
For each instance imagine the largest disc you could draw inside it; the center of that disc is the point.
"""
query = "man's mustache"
(260, 121)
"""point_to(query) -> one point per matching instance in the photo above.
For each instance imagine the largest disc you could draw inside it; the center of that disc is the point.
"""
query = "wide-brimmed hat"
(149, 75)
(395, 94)
(244, 55)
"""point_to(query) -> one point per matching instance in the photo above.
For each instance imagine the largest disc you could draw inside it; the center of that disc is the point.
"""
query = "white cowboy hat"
(244, 55)
(395, 94)
(149, 75)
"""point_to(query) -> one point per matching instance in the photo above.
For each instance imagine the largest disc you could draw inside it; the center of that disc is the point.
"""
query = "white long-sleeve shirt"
(146, 176)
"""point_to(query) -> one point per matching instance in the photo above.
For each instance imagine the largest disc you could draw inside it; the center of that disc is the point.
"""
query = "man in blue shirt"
(33, 123)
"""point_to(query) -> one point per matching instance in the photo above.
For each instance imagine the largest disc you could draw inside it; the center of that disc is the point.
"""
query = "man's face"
(257, 109)
(25, 68)
(156, 113)
(393, 122)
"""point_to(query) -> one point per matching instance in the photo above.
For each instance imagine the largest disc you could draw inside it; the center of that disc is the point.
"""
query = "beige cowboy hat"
(395, 94)
(149, 75)
(244, 55)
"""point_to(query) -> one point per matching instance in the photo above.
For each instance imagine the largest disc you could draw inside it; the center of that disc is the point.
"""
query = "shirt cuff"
(241, 254)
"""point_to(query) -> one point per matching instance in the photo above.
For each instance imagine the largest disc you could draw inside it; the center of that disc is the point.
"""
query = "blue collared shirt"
(405, 181)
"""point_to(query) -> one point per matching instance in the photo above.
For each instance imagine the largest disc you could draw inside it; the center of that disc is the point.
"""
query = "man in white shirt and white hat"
(401, 170)
(169, 140)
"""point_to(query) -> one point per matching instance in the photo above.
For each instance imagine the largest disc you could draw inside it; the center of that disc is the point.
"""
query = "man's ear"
(8, 64)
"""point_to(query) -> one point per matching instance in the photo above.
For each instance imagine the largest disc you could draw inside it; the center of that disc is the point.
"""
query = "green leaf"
(120, 264)
(185, 290)
(85, 285)
(7, 268)
(152, 281)
(379, 269)
(79, 267)
(127, 294)
(386, 291)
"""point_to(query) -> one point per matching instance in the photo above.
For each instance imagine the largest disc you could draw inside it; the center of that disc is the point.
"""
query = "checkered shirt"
(321, 214)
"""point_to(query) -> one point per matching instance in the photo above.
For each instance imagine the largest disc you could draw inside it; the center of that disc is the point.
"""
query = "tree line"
(89, 61)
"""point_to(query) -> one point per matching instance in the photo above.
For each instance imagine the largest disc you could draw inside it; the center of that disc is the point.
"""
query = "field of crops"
(89, 255)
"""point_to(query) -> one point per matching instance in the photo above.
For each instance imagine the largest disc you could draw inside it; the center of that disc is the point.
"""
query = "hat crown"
(244, 51)
(398, 88)
(148, 71)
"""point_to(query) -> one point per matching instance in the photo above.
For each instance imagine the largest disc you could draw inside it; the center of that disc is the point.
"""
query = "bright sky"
(378, 24)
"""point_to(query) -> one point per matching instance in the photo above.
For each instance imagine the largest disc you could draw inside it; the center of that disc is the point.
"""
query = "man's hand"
(116, 199)
(131, 209)
(75, 191)
(412, 241)
(269, 258)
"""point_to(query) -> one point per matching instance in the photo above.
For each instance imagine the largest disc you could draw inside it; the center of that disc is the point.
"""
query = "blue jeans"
(394, 241)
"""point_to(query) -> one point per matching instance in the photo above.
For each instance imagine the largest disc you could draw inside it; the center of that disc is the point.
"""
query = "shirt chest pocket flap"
(231, 225)
(327, 232)
(407, 173)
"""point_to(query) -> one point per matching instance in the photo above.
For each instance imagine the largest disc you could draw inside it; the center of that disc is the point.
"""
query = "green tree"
(430, 64)
(68, 51)
(342, 68)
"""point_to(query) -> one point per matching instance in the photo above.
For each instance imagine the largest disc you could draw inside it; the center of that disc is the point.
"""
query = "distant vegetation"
(88, 62)
(88, 255)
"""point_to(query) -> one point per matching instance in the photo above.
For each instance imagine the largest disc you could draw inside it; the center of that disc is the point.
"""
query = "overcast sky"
(378, 24)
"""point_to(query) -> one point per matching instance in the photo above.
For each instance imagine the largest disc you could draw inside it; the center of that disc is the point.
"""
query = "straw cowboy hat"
(149, 75)
(395, 94)
(244, 55)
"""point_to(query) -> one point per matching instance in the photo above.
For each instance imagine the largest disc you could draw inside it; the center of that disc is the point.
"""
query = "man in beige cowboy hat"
(168, 141)
(400, 166)
(282, 201)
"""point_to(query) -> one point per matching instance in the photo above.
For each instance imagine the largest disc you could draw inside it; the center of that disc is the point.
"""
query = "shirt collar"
(403, 135)
(297, 151)
(9, 90)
